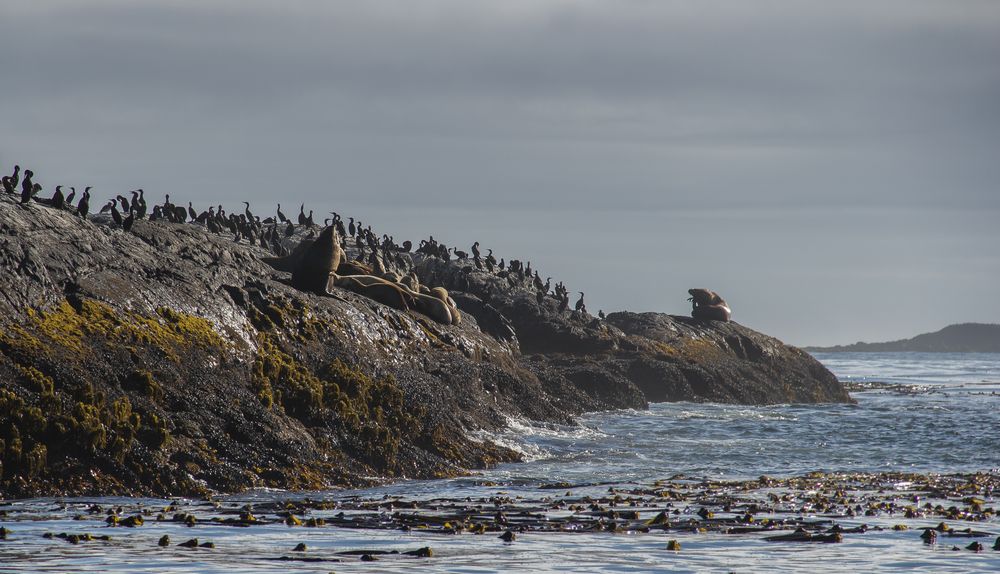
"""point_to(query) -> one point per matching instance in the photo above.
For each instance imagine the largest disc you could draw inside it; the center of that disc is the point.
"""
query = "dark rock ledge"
(172, 361)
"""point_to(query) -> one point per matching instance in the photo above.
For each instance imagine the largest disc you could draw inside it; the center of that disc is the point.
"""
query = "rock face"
(170, 360)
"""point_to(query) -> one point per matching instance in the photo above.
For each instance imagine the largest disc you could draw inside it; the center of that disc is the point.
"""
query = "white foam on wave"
(736, 414)
(525, 437)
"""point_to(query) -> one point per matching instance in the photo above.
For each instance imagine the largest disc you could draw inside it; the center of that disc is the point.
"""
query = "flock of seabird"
(378, 252)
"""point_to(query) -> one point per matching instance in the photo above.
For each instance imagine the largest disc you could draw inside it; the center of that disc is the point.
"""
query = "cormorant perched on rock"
(15, 177)
(309, 219)
(27, 187)
(128, 221)
(290, 229)
(125, 205)
(58, 200)
(302, 214)
(117, 217)
(84, 206)
(579, 304)
(192, 214)
(247, 211)
(407, 246)
(460, 255)
(281, 216)
(141, 202)
(72, 194)
(350, 227)
(600, 313)
(475, 250)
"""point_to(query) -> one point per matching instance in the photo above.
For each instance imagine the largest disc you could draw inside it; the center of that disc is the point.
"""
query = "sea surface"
(915, 413)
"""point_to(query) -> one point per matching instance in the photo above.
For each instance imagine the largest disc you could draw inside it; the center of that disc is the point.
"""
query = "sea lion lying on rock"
(353, 268)
(398, 295)
(708, 305)
(380, 290)
(434, 308)
(315, 263)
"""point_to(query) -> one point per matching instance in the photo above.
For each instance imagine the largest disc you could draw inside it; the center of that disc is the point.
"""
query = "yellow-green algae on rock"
(63, 415)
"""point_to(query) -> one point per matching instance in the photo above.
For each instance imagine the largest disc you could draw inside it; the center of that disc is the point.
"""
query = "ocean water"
(915, 413)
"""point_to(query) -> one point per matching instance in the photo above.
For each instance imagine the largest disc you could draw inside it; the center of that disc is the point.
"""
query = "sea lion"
(440, 292)
(312, 272)
(353, 268)
(377, 289)
(288, 262)
(708, 305)
(456, 315)
(411, 281)
(712, 312)
(434, 308)
(704, 297)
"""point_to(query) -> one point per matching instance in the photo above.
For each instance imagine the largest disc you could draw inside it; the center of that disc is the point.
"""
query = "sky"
(832, 169)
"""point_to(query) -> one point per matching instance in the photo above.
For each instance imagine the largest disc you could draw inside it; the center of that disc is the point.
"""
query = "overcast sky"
(831, 168)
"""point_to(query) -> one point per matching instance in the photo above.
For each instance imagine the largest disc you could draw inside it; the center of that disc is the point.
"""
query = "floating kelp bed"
(957, 510)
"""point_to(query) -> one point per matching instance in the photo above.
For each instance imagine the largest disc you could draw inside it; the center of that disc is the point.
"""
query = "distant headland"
(960, 338)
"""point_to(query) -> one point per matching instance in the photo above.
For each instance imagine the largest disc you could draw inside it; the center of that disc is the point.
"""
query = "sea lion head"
(704, 297)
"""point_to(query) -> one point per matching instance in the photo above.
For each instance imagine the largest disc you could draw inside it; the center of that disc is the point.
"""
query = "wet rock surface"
(169, 360)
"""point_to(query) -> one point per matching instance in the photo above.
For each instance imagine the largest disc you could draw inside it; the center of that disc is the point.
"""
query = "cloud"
(561, 108)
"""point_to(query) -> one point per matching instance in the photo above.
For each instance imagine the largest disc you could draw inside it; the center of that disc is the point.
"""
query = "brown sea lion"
(704, 297)
(353, 268)
(712, 312)
(411, 281)
(312, 272)
(456, 315)
(708, 305)
(440, 292)
(379, 290)
(434, 308)
(288, 262)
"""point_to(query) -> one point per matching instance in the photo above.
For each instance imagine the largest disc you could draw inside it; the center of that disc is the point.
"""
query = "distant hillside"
(962, 338)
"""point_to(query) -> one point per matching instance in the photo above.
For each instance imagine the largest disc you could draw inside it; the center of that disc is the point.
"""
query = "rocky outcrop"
(171, 360)
(631, 358)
